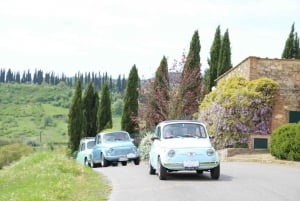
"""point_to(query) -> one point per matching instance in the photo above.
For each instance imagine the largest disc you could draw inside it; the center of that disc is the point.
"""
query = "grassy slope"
(36, 112)
(48, 175)
(26, 111)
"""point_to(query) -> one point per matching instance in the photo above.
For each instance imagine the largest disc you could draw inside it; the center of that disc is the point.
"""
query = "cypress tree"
(129, 121)
(190, 83)
(76, 119)
(214, 59)
(159, 100)
(104, 119)
(224, 63)
(288, 51)
(90, 108)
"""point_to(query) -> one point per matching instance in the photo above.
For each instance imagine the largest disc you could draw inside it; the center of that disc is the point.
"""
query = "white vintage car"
(182, 145)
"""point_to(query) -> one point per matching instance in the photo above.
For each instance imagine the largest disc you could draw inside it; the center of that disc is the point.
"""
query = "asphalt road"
(239, 181)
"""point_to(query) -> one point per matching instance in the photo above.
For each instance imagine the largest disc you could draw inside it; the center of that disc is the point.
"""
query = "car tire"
(162, 171)
(151, 169)
(215, 172)
(92, 164)
(124, 163)
(104, 162)
(137, 161)
(86, 162)
(199, 171)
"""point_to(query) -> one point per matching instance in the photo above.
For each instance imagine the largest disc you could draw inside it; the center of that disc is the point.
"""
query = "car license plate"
(131, 155)
(190, 164)
(123, 158)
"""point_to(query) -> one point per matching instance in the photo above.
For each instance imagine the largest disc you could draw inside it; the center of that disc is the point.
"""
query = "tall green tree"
(190, 84)
(104, 111)
(159, 97)
(129, 121)
(224, 63)
(214, 59)
(291, 49)
(90, 109)
(76, 119)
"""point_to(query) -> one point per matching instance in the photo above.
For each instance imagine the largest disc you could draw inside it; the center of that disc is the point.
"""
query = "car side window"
(82, 147)
(157, 132)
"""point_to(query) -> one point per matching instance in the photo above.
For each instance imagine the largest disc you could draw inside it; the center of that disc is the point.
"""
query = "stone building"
(287, 103)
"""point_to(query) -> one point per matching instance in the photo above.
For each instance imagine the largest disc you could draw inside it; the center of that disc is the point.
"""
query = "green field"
(36, 113)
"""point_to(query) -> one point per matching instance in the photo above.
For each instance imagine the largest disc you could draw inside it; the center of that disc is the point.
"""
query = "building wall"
(284, 71)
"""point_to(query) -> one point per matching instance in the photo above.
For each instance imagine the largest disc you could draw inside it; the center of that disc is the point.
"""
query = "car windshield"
(116, 136)
(184, 130)
(90, 144)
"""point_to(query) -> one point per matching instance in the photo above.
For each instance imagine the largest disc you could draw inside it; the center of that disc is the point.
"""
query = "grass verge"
(51, 175)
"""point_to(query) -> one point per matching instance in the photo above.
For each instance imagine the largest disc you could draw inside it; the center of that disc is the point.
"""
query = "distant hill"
(34, 113)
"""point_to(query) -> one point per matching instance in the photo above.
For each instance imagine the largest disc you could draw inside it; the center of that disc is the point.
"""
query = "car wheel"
(199, 171)
(104, 162)
(124, 163)
(137, 161)
(162, 171)
(86, 162)
(215, 172)
(92, 164)
(151, 169)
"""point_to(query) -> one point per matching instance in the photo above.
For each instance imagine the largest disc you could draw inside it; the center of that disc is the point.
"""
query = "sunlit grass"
(47, 175)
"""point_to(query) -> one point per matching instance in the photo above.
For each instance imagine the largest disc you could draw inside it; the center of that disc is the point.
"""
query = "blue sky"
(70, 36)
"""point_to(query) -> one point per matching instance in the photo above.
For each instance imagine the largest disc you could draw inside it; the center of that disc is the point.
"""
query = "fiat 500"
(85, 149)
(182, 145)
(113, 147)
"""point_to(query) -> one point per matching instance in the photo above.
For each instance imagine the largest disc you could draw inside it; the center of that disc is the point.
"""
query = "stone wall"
(284, 71)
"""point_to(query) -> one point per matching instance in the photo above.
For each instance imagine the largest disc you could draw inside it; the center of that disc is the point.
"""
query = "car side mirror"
(154, 138)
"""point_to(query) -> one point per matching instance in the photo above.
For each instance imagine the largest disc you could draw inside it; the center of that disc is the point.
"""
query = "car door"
(97, 149)
(80, 151)
(153, 155)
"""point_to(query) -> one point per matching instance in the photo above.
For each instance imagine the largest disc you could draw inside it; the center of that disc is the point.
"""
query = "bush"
(13, 152)
(285, 142)
(145, 146)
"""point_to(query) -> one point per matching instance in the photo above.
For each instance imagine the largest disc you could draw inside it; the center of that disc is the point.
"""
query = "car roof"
(178, 121)
(87, 139)
(106, 132)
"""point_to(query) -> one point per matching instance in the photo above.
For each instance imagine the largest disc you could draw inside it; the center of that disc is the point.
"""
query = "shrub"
(145, 146)
(285, 142)
(13, 152)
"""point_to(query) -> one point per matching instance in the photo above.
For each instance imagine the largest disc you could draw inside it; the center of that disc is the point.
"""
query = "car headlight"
(171, 153)
(110, 151)
(210, 152)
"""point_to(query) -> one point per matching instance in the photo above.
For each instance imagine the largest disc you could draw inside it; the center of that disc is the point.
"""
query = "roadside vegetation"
(51, 175)
(285, 142)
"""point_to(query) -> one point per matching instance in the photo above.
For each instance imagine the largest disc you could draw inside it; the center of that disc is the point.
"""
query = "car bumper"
(122, 158)
(199, 166)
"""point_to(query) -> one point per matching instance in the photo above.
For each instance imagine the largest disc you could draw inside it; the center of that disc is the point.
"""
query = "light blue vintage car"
(112, 147)
(85, 149)
(182, 145)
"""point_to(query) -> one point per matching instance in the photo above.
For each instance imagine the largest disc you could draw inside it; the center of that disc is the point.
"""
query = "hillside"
(34, 112)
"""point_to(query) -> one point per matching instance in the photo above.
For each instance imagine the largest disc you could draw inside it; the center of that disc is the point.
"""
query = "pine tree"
(90, 108)
(214, 59)
(224, 63)
(190, 84)
(104, 118)
(129, 121)
(159, 97)
(76, 119)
